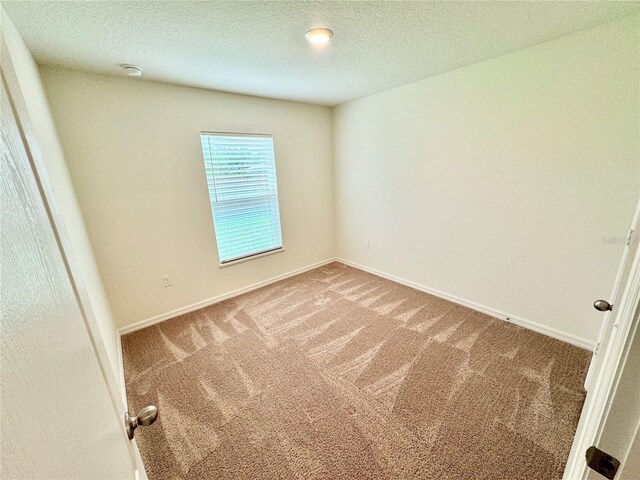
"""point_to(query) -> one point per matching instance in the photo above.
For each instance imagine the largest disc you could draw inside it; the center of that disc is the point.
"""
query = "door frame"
(58, 227)
(602, 386)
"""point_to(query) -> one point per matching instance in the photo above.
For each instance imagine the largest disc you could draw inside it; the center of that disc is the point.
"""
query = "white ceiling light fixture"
(132, 70)
(319, 36)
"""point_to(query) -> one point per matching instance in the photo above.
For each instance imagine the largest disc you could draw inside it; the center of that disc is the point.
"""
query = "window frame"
(234, 261)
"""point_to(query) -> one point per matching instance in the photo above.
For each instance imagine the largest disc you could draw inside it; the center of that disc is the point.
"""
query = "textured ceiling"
(259, 48)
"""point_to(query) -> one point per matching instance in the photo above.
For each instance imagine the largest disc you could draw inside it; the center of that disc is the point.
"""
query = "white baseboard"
(218, 298)
(536, 327)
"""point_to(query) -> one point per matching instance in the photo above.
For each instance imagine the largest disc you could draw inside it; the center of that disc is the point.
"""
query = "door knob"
(145, 417)
(602, 305)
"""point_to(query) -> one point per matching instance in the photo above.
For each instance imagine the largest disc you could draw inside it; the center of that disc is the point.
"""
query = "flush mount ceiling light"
(319, 36)
(132, 70)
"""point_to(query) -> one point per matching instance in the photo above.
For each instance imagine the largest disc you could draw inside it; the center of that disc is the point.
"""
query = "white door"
(620, 427)
(608, 362)
(59, 417)
(609, 324)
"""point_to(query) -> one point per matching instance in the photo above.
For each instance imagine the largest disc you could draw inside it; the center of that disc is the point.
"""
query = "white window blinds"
(241, 175)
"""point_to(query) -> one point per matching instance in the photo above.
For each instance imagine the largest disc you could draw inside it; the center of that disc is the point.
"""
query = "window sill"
(246, 259)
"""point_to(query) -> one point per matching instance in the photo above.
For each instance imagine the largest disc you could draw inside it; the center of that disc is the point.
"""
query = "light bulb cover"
(319, 36)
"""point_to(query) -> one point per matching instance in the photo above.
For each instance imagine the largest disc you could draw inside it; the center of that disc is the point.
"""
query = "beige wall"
(70, 219)
(133, 150)
(510, 183)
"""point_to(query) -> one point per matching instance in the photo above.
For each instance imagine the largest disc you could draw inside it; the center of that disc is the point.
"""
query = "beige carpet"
(339, 374)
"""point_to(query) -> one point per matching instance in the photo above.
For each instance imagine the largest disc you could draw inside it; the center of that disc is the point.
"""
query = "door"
(605, 376)
(620, 426)
(59, 417)
(609, 324)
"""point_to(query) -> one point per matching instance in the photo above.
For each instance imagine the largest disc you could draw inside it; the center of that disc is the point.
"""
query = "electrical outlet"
(166, 281)
(366, 244)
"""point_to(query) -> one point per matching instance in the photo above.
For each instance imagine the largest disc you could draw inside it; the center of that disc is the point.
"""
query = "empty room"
(320, 240)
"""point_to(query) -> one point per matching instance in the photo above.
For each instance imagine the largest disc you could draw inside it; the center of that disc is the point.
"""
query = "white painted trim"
(250, 257)
(123, 389)
(218, 298)
(536, 327)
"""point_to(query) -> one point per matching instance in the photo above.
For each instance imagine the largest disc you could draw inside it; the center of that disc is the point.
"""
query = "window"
(241, 176)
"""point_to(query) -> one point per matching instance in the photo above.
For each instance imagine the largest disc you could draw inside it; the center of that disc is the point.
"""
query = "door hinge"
(601, 462)
(629, 237)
